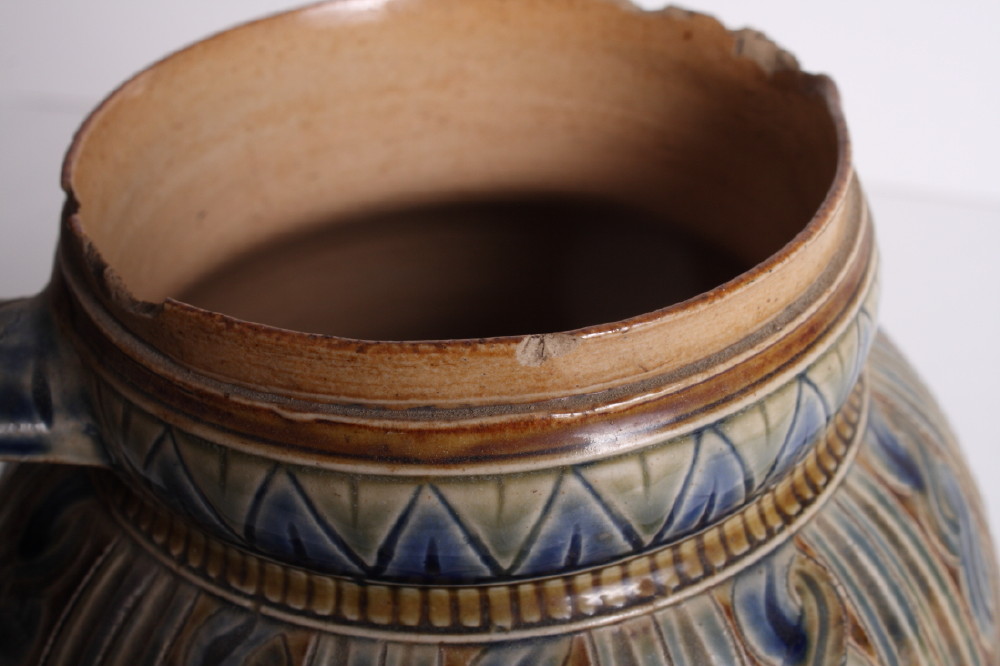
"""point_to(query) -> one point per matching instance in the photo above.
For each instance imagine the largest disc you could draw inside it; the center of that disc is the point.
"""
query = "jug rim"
(774, 300)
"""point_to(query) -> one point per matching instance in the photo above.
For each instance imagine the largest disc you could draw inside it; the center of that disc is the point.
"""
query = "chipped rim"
(180, 341)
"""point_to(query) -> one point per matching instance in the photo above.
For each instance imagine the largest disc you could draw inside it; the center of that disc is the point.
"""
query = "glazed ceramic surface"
(890, 566)
(749, 475)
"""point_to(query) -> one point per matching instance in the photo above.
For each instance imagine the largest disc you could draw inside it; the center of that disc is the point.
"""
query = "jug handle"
(45, 413)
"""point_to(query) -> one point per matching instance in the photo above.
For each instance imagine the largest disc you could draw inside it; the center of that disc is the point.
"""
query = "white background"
(920, 88)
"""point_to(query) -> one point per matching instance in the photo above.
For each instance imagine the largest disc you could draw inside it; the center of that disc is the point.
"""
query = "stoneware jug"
(502, 332)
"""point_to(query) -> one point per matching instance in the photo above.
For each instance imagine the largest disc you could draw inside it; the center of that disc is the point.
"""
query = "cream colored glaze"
(297, 120)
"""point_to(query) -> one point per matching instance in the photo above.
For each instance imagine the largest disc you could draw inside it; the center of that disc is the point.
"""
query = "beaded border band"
(497, 612)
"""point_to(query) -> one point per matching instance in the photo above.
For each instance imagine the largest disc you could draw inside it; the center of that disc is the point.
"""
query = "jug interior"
(450, 169)
(504, 265)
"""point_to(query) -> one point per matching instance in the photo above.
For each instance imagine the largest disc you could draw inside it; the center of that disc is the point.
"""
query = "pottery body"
(874, 551)
(471, 428)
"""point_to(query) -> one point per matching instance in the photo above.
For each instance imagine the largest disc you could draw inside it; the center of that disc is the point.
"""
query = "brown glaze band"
(272, 424)
(483, 613)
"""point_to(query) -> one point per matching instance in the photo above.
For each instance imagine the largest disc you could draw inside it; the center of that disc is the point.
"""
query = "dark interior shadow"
(479, 267)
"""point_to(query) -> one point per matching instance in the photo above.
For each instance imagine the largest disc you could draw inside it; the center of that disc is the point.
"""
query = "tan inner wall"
(289, 124)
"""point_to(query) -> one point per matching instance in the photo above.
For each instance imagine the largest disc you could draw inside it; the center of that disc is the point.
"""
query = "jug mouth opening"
(485, 179)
